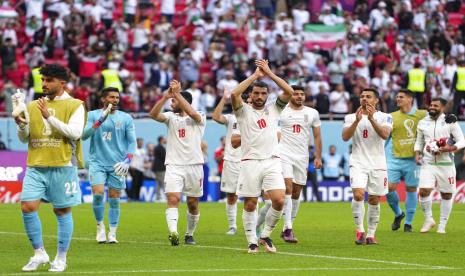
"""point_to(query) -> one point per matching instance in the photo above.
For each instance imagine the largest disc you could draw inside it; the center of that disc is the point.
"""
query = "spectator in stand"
(332, 162)
(196, 94)
(322, 102)
(136, 170)
(161, 77)
(301, 16)
(8, 54)
(228, 83)
(149, 54)
(339, 100)
(168, 9)
(328, 18)
(318, 82)
(336, 71)
(188, 68)
(140, 38)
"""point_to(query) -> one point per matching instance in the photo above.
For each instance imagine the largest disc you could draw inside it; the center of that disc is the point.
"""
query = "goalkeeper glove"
(451, 118)
(103, 117)
(20, 109)
(121, 168)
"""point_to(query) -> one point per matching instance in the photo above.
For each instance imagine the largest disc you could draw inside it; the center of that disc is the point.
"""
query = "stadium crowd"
(211, 45)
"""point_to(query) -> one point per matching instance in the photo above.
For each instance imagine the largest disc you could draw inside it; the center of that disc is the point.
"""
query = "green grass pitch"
(325, 233)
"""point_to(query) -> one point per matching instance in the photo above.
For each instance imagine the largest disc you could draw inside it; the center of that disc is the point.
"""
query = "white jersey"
(184, 139)
(295, 132)
(259, 129)
(230, 153)
(367, 145)
(429, 130)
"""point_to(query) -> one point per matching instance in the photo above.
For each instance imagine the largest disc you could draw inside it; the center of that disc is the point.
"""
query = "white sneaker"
(101, 236)
(112, 237)
(441, 229)
(428, 225)
(57, 266)
(232, 231)
(36, 261)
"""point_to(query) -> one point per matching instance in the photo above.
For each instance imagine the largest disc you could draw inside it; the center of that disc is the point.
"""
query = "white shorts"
(258, 175)
(296, 170)
(230, 176)
(442, 177)
(373, 181)
(187, 179)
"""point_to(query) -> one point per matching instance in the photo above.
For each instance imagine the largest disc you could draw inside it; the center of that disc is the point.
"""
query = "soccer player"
(260, 165)
(438, 136)
(184, 159)
(401, 158)
(368, 129)
(112, 145)
(54, 154)
(231, 166)
(296, 121)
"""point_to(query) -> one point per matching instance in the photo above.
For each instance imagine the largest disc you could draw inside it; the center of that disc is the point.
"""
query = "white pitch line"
(425, 266)
(236, 270)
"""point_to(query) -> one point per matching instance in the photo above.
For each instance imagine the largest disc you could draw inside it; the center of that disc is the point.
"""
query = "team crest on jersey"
(234, 126)
(118, 124)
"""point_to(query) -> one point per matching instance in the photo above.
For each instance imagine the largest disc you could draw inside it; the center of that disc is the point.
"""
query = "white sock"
(39, 251)
(426, 204)
(287, 212)
(271, 219)
(373, 219)
(358, 212)
(100, 223)
(295, 209)
(172, 217)
(113, 229)
(249, 220)
(192, 221)
(231, 213)
(446, 208)
(262, 212)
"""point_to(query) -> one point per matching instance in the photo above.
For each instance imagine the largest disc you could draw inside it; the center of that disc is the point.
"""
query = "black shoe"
(189, 240)
(268, 243)
(397, 220)
(360, 238)
(408, 228)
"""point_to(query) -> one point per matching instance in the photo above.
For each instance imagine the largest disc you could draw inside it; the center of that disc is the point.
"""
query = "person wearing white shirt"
(232, 162)
(368, 129)
(438, 137)
(339, 100)
(296, 123)
(301, 17)
(184, 158)
(260, 167)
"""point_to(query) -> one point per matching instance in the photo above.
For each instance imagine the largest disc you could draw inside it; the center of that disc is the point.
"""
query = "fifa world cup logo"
(47, 131)
(409, 124)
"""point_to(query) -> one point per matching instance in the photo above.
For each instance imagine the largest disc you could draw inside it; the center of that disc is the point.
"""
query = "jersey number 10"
(261, 123)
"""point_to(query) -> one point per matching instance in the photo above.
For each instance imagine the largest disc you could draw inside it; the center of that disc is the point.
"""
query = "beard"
(258, 103)
(433, 113)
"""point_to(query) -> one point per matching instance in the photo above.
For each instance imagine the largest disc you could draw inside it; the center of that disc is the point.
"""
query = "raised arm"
(382, 130)
(217, 113)
(155, 113)
(236, 99)
(349, 130)
(175, 87)
(284, 98)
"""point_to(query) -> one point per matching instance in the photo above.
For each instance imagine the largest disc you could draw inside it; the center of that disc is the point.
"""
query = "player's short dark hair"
(407, 92)
(297, 87)
(260, 84)
(439, 99)
(160, 138)
(55, 71)
(106, 91)
(187, 96)
(371, 89)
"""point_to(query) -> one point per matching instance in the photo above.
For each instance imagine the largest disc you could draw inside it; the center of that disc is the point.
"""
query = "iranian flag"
(323, 35)
(7, 13)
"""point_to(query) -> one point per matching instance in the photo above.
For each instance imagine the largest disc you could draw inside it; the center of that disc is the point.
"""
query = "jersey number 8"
(365, 133)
